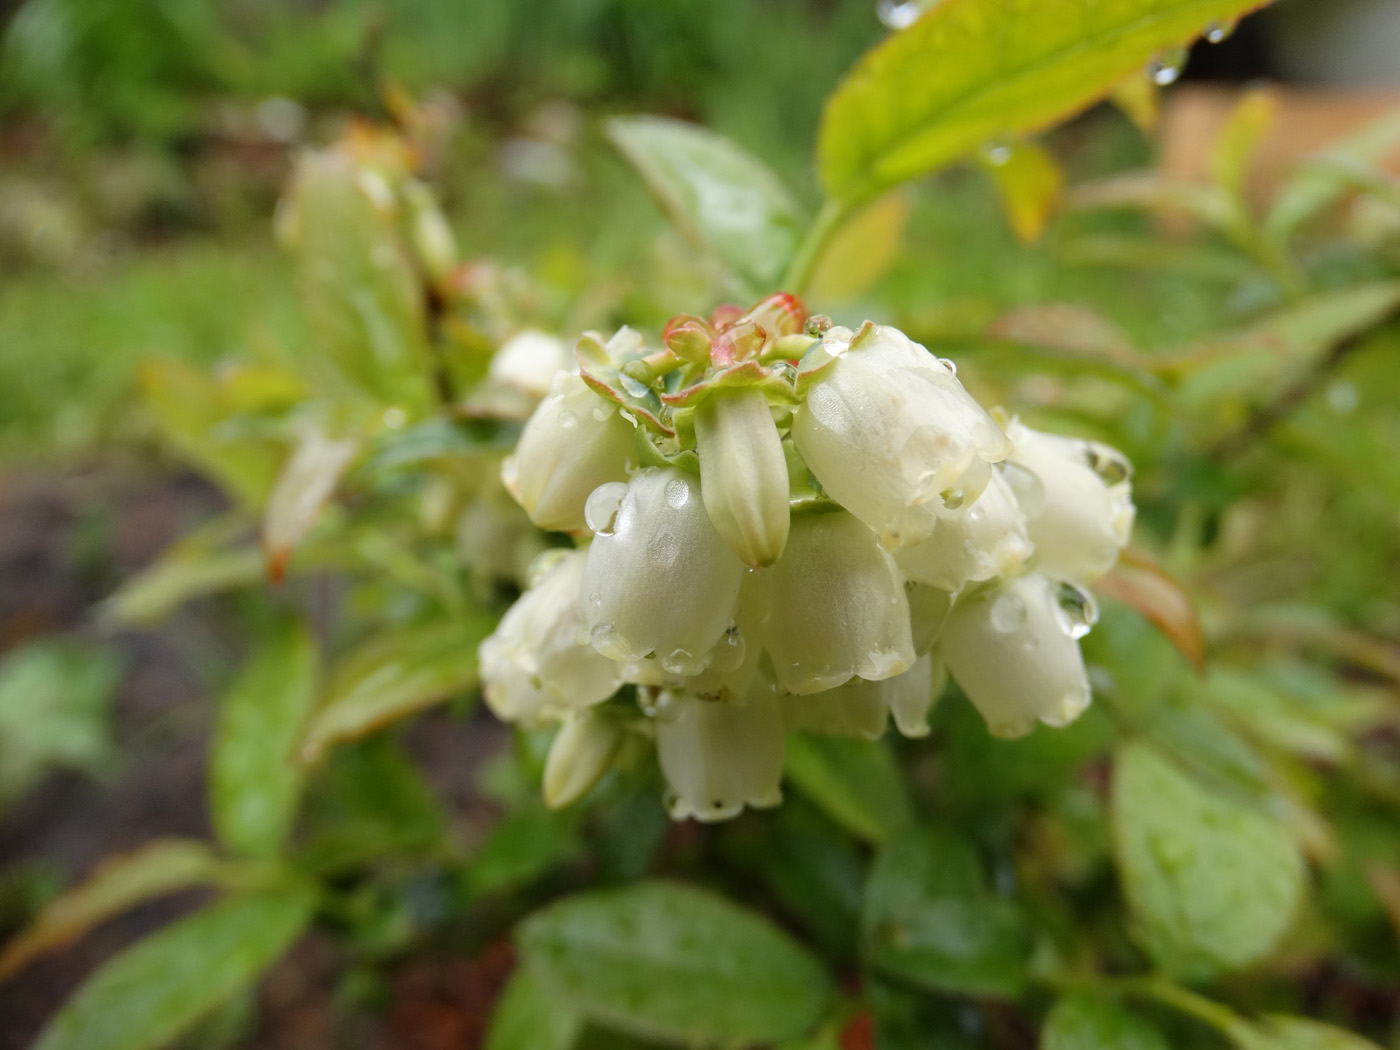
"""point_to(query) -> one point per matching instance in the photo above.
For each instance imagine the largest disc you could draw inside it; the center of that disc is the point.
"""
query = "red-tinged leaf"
(1140, 583)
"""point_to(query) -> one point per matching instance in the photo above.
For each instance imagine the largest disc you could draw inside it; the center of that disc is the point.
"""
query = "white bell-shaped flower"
(660, 579)
(534, 667)
(1014, 650)
(528, 361)
(719, 757)
(985, 540)
(893, 437)
(928, 612)
(579, 755)
(833, 607)
(1077, 497)
(862, 709)
(575, 441)
(743, 473)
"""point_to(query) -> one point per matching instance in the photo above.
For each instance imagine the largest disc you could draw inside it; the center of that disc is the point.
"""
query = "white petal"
(574, 442)
(1012, 652)
(530, 360)
(861, 709)
(719, 757)
(984, 540)
(1077, 521)
(661, 581)
(833, 607)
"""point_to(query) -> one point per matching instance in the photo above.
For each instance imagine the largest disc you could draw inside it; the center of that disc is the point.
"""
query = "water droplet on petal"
(1008, 613)
(567, 420)
(682, 662)
(634, 387)
(1108, 464)
(729, 653)
(603, 638)
(952, 498)
(1075, 609)
(949, 364)
(600, 510)
(677, 493)
(664, 548)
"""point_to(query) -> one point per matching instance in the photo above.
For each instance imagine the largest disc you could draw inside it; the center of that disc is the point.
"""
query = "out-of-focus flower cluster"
(785, 525)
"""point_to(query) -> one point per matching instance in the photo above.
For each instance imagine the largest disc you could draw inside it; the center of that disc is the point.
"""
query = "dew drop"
(949, 364)
(1027, 487)
(600, 510)
(1008, 613)
(664, 548)
(682, 662)
(603, 638)
(1217, 32)
(1343, 397)
(1075, 609)
(394, 418)
(897, 15)
(1166, 68)
(634, 387)
(996, 153)
(677, 493)
(1108, 464)
(567, 420)
(729, 653)
(952, 498)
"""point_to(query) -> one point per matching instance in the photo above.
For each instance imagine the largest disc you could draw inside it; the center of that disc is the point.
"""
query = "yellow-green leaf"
(1030, 183)
(151, 992)
(119, 883)
(859, 252)
(969, 72)
(393, 676)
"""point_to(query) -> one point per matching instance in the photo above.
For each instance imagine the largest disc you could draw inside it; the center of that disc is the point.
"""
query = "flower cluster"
(785, 525)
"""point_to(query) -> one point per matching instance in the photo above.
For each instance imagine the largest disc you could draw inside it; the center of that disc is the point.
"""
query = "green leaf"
(1314, 189)
(154, 990)
(1278, 1032)
(119, 883)
(855, 782)
(666, 961)
(368, 801)
(214, 557)
(1212, 883)
(969, 72)
(54, 703)
(395, 675)
(364, 298)
(719, 196)
(528, 1018)
(1084, 1023)
(929, 918)
(520, 848)
(1030, 183)
(254, 779)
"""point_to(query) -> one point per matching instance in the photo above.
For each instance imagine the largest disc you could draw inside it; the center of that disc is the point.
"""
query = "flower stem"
(809, 252)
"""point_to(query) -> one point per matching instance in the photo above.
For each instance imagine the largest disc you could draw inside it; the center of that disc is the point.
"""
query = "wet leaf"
(719, 196)
(976, 71)
(254, 779)
(930, 918)
(1030, 183)
(855, 782)
(1095, 1023)
(395, 675)
(153, 991)
(1278, 1032)
(119, 883)
(527, 1017)
(1212, 882)
(671, 962)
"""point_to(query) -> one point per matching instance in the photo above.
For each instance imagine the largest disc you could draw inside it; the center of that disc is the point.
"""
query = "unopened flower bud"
(743, 473)
(1078, 501)
(528, 361)
(533, 666)
(660, 579)
(574, 442)
(1014, 650)
(833, 607)
(579, 756)
(719, 757)
(892, 435)
(984, 540)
